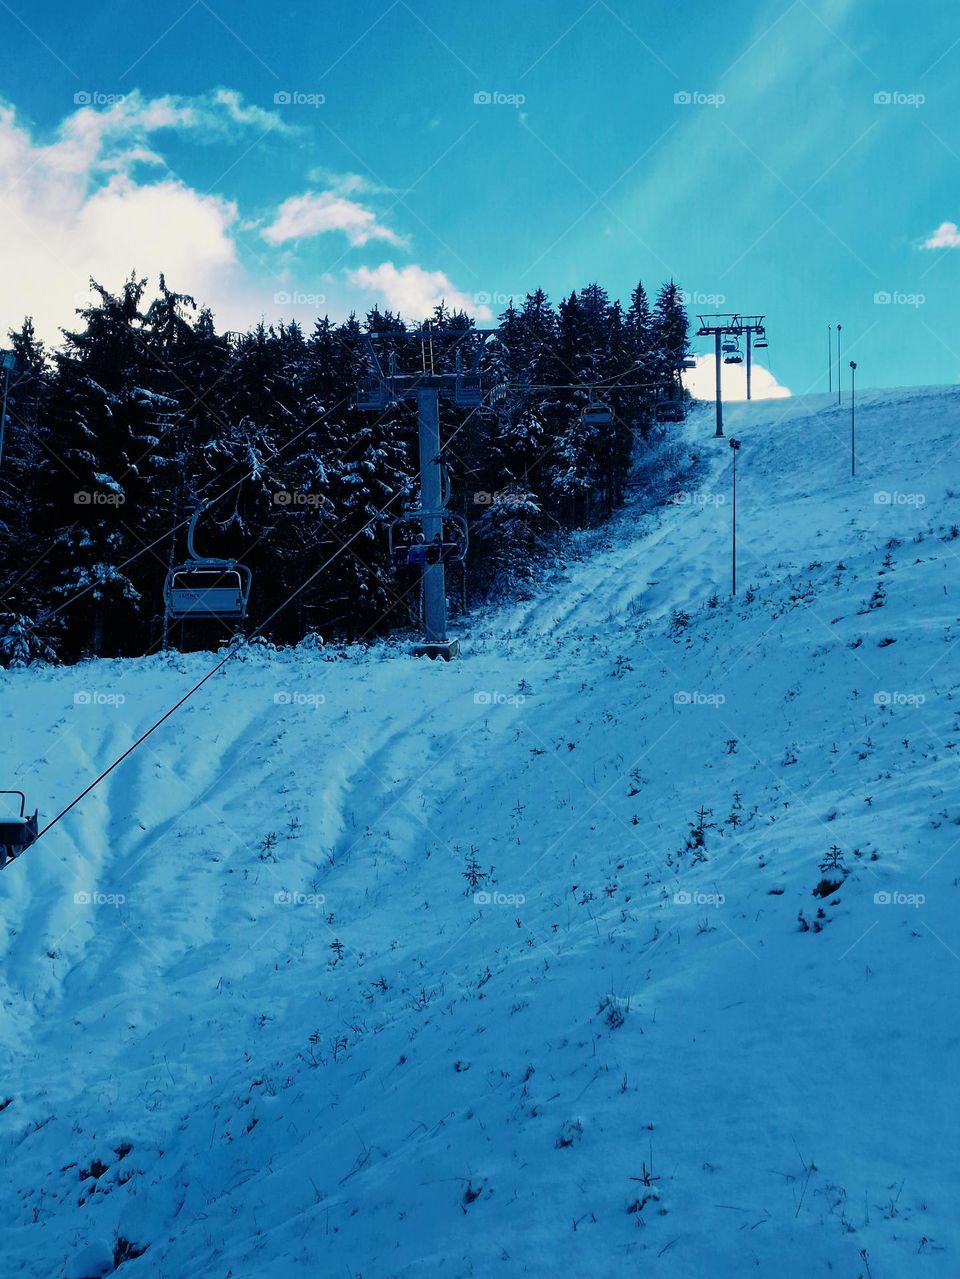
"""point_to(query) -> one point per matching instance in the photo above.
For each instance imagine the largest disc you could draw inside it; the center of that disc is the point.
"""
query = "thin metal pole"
(734, 521)
(830, 359)
(839, 378)
(853, 418)
(3, 411)
(718, 434)
(749, 344)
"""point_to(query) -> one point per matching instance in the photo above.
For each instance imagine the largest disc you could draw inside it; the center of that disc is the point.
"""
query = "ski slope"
(261, 1019)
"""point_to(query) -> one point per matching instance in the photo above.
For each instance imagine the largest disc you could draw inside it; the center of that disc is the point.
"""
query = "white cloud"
(413, 292)
(73, 208)
(97, 198)
(701, 381)
(946, 236)
(315, 213)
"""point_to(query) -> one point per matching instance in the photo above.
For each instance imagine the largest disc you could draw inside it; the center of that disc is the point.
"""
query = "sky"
(798, 160)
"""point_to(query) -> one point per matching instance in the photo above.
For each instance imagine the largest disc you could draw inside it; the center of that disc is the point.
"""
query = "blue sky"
(782, 186)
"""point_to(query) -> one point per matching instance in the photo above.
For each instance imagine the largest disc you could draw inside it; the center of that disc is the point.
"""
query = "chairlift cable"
(231, 653)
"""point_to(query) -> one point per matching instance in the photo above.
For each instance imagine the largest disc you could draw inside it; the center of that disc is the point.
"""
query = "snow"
(257, 1022)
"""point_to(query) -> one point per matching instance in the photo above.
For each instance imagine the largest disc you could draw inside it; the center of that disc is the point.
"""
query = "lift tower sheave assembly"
(726, 331)
(464, 387)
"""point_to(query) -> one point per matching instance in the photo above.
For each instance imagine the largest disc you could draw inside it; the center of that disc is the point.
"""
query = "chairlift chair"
(597, 413)
(16, 832)
(760, 344)
(728, 344)
(414, 551)
(468, 390)
(204, 587)
(688, 362)
(372, 394)
(735, 358)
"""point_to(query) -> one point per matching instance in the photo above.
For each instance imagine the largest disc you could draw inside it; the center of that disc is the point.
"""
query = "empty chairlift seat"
(597, 413)
(212, 590)
(205, 587)
(17, 831)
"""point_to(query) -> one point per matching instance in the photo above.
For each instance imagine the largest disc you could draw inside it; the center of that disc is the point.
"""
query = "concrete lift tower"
(464, 387)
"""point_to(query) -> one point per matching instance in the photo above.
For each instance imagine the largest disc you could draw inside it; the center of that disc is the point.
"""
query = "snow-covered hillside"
(628, 944)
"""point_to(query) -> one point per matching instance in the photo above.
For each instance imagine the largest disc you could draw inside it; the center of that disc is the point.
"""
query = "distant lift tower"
(727, 330)
(464, 387)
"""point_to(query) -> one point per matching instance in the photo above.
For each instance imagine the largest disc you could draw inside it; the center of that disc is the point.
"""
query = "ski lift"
(468, 390)
(372, 394)
(688, 362)
(669, 406)
(761, 343)
(410, 549)
(735, 358)
(206, 587)
(18, 832)
(728, 344)
(597, 413)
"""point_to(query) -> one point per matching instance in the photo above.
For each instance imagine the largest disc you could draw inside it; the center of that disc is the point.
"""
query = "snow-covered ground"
(368, 966)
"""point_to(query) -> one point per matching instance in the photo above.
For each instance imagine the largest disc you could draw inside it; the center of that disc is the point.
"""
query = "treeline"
(146, 410)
